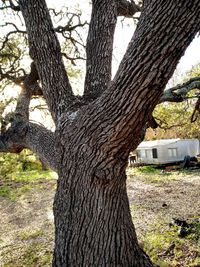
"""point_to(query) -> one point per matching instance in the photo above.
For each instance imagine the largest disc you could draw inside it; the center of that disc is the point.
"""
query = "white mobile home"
(166, 150)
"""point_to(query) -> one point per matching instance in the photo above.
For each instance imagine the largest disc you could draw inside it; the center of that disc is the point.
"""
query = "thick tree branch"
(51, 70)
(179, 92)
(151, 58)
(42, 142)
(32, 136)
(100, 44)
(18, 133)
(99, 48)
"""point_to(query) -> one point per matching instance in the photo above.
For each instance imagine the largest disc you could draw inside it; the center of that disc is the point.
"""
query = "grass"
(161, 242)
(167, 249)
(154, 175)
(6, 191)
(34, 254)
(18, 183)
(27, 235)
(30, 176)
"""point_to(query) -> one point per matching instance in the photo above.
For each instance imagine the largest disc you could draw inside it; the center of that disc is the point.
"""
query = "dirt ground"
(28, 221)
(164, 200)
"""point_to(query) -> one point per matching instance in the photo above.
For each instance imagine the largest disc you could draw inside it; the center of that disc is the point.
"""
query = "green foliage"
(12, 163)
(19, 174)
(175, 118)
(10, 52)
(33, 254)
(194, 72)
(175, 121)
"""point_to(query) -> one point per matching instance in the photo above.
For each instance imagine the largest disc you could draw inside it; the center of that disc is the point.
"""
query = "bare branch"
(179, 92)
(72, 59)
(12, 6)
(68, 27)
(15, 26)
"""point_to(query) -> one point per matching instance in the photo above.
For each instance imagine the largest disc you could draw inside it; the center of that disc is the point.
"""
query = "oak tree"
(96, 131)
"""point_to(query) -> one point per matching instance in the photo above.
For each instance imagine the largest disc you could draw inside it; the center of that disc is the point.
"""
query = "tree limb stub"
(126, 8)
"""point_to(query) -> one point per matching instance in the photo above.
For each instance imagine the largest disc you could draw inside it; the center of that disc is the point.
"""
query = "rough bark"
(92, 183)
(24, 134)
(100, 44)
(92, 218)
(96, 229)
(99, 48)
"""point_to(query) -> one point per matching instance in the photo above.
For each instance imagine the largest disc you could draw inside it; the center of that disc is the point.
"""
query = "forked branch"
(123, 111)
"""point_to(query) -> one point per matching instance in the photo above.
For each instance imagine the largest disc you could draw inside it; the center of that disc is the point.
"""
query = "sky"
(124, 32)
(191, 57)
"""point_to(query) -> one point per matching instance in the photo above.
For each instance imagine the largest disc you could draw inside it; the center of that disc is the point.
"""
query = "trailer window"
(142, 153)
(155, 153)
(172, 152)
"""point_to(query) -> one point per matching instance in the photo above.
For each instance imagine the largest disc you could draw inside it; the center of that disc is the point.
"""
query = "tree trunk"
(92, 217)
(93, 225)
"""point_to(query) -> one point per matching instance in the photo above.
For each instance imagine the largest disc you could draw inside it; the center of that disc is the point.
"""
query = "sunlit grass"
(31, 176)
(156, 175)
(34, 253)
(18, 183)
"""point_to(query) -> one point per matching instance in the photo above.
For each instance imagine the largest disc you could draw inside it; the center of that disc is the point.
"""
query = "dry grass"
(26, 224)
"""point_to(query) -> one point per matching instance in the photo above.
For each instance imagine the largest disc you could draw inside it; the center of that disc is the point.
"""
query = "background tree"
(179, 120)
(95, 133)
